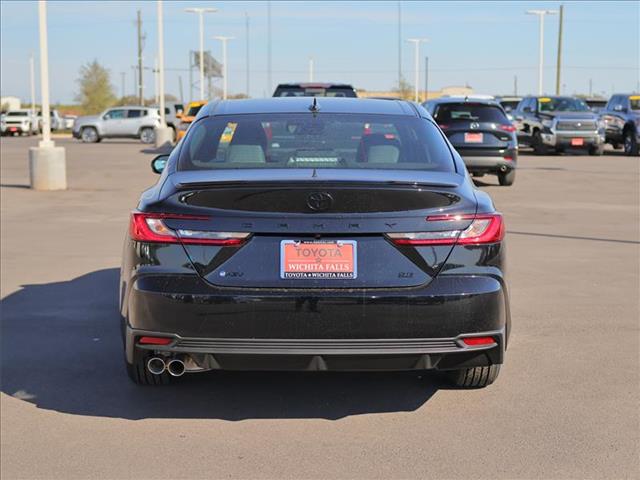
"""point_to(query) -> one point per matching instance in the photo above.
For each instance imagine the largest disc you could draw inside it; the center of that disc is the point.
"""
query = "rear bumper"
(321, 355)
(374, 329)
(492, 162)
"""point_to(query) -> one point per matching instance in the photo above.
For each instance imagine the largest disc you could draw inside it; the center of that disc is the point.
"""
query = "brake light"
(507, 128)
(476, 341)
(508, 159)
(151, 228)
(482, 230)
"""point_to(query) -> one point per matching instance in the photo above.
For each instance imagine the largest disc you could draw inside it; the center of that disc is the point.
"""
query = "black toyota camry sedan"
(314, 234)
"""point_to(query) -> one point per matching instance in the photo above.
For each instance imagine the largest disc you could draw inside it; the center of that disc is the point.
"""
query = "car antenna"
(314, 107)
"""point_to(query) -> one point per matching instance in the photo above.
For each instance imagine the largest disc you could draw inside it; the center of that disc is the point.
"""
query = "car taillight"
(507, 128)
(483, 229)
(150, 227)
(443, 126)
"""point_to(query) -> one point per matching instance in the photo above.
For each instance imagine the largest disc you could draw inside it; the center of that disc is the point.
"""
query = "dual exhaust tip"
(175, 366)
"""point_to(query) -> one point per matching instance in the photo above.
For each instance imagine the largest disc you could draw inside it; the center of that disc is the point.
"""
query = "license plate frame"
(577, 142)
(473, 137)
(342, 266)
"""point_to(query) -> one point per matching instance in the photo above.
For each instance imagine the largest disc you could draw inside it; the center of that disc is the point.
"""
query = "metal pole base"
(47, 168)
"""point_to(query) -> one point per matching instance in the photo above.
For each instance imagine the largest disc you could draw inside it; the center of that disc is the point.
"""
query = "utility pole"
(590, 86)
(190, 75)
(541, 14)
(269, 46)
(140, 40)
(559, 60)
(310, 69)
(515, 85)
(47, 163)
(416, 42)
(225, 68)
(426, 78)
(246, 24)
(181, 91)
(201, 12)
(399, 44)
(122, 79)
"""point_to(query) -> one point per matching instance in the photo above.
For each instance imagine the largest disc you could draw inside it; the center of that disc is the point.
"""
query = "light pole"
(417, 42)
(541, 14)
(33, 90)
(47, 163)
(224, 41)
(201, 12)
(163, 134)
(310, 69)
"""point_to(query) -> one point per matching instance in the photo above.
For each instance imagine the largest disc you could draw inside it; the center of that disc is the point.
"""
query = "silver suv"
(118, 122)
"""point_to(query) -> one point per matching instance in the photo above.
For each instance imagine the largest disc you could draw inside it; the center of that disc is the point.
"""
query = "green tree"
(96, 92)
(404, 90)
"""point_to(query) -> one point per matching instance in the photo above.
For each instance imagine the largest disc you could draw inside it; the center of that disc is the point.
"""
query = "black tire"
(89, 135)
(630, 144)
(506, 179)
(475, 377)
(538, 145)
(596, 150)
(140, 375)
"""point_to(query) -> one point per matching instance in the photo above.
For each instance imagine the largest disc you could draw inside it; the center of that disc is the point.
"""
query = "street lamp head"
(417, 40)
(223, 38)
(200, 10)
(541, 12)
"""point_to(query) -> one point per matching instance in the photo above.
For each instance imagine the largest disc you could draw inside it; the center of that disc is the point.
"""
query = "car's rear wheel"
(630, 143)
(538, 145)
(475, 377)
(140, 374)
(506, 178)
(89, 135)
(596, 150)
(147, 135)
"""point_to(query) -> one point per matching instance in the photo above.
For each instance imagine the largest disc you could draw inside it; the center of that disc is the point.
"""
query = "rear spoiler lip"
(310, 182)
(316, 178)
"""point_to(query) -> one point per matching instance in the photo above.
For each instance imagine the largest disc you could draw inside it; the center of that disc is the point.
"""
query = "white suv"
(118, 122)
(18, 122)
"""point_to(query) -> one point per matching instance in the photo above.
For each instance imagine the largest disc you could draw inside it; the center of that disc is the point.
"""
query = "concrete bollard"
(47, 168)
(164, 136)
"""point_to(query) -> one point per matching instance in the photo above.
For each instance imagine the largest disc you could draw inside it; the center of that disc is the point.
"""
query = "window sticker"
(227, 134)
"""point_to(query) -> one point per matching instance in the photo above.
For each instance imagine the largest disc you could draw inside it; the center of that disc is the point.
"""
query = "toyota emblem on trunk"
(319, 201)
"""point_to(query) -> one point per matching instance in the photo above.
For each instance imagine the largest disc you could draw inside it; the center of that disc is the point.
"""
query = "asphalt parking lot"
(564, 406)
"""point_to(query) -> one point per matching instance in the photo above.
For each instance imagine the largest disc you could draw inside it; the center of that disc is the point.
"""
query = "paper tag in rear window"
(334, 260)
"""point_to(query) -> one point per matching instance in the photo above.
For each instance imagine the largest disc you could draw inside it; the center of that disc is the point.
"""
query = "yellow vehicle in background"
(188, 117)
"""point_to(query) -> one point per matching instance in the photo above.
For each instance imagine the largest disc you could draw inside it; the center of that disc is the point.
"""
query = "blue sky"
(483, 44)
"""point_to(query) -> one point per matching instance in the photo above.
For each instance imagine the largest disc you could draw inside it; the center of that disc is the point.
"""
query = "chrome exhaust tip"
(156, 365)
(176, 367)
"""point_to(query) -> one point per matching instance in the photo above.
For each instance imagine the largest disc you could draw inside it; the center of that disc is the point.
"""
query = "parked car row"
(25, 122)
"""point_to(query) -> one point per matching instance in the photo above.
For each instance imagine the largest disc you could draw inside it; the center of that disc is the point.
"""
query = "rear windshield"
(193, 111)
(562, 104)
(509, 105)
(314, 141)
(469, 112)
(314, 92)
(17, 114)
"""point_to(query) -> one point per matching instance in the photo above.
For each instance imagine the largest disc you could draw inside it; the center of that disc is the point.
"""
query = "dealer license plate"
(335, 260)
